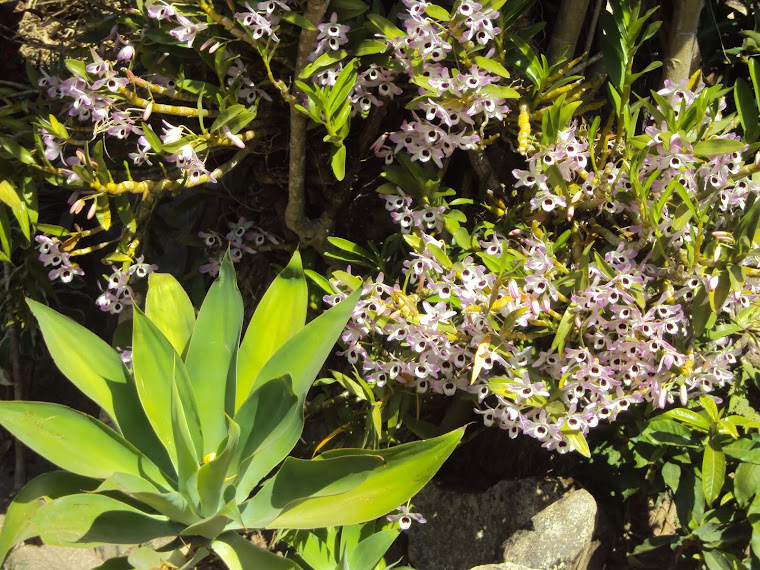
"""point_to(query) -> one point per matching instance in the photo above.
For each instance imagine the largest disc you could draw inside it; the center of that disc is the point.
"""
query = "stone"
(560, 537)
(503, 566)
(467, 528)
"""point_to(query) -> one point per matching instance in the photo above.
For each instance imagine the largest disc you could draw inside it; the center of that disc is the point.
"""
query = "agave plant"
(196, 432)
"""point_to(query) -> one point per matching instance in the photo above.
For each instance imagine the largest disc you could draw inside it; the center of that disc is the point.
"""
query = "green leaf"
(689, 417)
(212, 476)
(710, 407)
(384, 26)
(156, 365)
(746, 106)
(239, 553)
(280, 314)
(270, 419)
(713, 471)
(297, 19)
(57, 128)
(226, 116)
(437, 13)
(92, 520)
(406, 469)
(303, 354)
(299, 480)
(153, 140)
(746, 482)
(9, 195)
(75, 441)
(170, 504)
(578, 442)
(5, 234)
(338, 162)
(370, 551)
(103, 211)
(124, 211)
(212, 355)
(700, 310)
(717, 146)
(564, 328)
(170, 309)
(370, 47)
(17, 151)
(671, 473)
(187, 443)
(715, 560)
(98, 371)
(348, 9)
(17, 525)
(491, 66)
(77, 67)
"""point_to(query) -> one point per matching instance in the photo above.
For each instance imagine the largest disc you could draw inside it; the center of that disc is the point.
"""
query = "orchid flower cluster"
(456, 104)
(547, 340)
(118, 293)
(243, 237)
(60, 261)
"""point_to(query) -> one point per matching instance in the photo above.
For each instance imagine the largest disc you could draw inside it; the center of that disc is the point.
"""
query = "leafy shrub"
(197, 428)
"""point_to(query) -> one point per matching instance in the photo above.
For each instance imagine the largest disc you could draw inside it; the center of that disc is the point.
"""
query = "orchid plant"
(196, 432)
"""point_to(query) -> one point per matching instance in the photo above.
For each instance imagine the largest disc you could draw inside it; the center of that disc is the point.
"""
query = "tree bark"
(682, 48)
(567, 28)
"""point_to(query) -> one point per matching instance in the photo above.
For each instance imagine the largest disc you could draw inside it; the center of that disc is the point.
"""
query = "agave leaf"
(76, 442)
(155, 365)
(370, 551)
(86, 520)
(212, 355)
(169, 308)
(171, 504)
(17, 525)
(405, 470)
(279, 315)
(267, 417)
(212, 476)
(187, 458)
(300, 479)
(303, 355)
(98, 371)
(241, 554)
(226, 518)
(146, 558)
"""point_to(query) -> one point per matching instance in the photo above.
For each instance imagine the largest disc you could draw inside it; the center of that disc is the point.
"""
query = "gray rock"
(465, 529)
(502, 566)
(560, 536)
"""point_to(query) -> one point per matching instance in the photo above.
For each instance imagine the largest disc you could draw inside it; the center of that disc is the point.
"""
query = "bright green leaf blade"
(270, 415)
(170, 309)
(280, 314)
(156, 364)
(92, 520)
(188, 453)
(406, 470)
(9, 195)
(212, 355)
(17, 525)
(212, 476)
(371, 550)
(171, 504)
(75, 441)
(98, 371)
(713, 471)
(303, 355)
(746, 482)
(241, 554)
(300, 480)
(717, 146)
(338, 162)
(689, 417)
